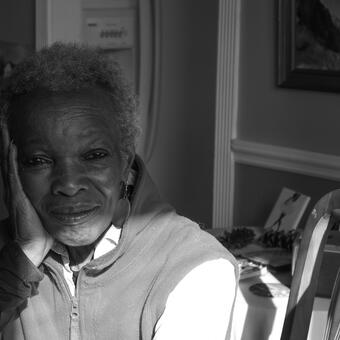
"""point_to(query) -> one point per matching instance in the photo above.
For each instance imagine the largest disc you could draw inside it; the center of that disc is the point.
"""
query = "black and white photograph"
(169, 170)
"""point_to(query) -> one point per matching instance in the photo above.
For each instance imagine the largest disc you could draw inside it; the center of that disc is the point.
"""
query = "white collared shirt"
(198, 308)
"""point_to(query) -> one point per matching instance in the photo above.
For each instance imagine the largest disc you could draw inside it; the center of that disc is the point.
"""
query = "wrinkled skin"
(66, 169)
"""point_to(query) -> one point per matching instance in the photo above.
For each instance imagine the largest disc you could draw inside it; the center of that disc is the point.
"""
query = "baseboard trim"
(286, 159)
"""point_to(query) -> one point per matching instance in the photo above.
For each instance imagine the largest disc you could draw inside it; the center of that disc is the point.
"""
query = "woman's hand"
(29, 232)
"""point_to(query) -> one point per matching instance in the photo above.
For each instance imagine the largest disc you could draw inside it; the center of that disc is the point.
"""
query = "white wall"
(182, 163)
(293, 118)
(268, 114)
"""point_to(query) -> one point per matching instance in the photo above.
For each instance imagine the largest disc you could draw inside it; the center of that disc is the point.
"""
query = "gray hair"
(63, 68)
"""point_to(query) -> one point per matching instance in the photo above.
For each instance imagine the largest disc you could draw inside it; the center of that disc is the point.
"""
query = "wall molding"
(226, 111)
(293, 160)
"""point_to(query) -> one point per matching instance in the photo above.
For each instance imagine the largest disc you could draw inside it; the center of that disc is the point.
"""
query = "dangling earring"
(123, 207)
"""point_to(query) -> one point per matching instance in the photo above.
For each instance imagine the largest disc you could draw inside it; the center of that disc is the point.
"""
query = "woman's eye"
(36, 161)
(93, 155)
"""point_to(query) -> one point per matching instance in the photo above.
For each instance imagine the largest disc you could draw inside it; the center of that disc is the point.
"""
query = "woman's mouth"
(73, 215)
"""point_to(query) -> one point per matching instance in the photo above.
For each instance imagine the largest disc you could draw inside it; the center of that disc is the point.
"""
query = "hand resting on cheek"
(27, 228)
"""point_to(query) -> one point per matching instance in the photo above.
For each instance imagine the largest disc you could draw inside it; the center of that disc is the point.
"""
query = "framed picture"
(287, 211)
(309, 44)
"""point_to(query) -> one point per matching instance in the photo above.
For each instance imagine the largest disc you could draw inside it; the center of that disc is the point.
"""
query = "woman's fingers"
(27, 228)
(15, 186)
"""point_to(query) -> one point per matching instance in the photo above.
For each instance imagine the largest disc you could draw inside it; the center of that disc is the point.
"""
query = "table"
(261, 318)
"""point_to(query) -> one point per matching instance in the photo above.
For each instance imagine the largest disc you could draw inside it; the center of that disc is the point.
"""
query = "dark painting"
(317, 34)
(309, 44)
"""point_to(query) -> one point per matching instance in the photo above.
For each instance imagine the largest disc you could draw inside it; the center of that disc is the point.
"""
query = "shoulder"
(186, 247)
(186, 239)
(193, 257)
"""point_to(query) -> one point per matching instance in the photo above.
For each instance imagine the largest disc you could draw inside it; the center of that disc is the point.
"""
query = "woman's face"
(69, 163)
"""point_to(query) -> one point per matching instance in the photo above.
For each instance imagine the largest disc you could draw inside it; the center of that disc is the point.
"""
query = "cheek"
(108, 183)
(35, 187)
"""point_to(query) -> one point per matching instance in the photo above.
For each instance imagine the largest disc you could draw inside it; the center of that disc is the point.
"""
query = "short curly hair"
(72, 67)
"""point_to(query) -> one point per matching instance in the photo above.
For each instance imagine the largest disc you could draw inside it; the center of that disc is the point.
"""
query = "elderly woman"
(90, 250)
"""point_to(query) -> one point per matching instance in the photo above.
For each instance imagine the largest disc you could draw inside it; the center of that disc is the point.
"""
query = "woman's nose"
(68, 181)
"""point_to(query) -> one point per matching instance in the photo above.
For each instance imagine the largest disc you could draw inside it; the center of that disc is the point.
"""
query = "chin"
(77, 236)
(74, 242)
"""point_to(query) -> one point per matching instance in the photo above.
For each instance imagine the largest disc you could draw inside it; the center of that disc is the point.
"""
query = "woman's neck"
(80, 256)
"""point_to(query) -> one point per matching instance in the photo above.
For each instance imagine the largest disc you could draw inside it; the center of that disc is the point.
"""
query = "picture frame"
(309, 45)
(287, 211)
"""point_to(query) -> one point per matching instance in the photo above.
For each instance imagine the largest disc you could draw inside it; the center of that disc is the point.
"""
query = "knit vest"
(122, 294)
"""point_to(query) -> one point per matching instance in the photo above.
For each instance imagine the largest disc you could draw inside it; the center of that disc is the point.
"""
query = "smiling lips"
(73, 214)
